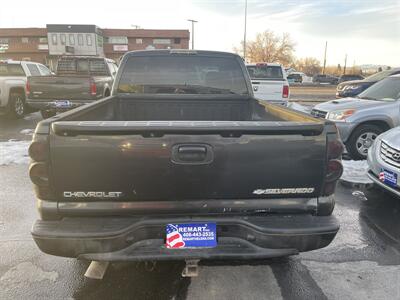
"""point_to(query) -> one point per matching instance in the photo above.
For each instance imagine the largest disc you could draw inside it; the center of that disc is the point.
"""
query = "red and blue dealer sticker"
(388, 177)
(194, 235)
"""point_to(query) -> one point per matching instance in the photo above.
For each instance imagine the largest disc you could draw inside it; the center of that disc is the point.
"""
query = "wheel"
(17, 105)
(47, 113)
(361, 139)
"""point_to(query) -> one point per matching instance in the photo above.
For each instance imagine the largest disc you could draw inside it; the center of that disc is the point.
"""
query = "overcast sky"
(368, 31)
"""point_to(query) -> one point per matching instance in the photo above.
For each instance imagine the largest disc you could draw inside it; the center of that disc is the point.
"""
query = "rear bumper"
(142, 238)
(50, 105)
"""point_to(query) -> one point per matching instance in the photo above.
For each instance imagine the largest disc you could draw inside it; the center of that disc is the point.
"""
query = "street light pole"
(193, 21)
(245, 30)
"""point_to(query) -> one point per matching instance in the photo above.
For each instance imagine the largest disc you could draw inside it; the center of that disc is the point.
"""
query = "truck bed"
(187, 152)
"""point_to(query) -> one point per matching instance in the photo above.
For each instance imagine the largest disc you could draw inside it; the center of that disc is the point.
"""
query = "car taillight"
(93, 88)
(335, 148)
(38, 151)
(39, 174)
(285, 91)
(334, 170)
(27, 88)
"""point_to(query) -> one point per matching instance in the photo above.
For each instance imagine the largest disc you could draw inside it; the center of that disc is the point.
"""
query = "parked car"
(324, 78)
(13, 77)
(354, 87)
(79, 80)
(384, 161)
(269, 82)
(295, 77)
(183, 156)
(349, 77)
(362, 118)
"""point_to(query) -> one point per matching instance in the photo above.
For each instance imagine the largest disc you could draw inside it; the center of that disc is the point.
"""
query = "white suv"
(269, 82)
(13, 76)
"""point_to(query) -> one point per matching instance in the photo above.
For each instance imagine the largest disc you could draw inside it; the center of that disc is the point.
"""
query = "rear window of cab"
(265, 72)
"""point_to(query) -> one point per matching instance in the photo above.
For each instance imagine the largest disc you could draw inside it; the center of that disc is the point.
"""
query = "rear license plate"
(62, 104)
(388, 177)
(194, 235)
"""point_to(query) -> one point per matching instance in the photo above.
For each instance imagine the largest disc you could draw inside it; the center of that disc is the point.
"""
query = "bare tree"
(308, 65)
(269, 47)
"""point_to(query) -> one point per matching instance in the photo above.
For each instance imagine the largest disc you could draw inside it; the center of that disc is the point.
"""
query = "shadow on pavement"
(137, 281)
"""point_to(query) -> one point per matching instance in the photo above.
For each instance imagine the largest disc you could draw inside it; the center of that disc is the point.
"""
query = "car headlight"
(352, 87)
(340, 115)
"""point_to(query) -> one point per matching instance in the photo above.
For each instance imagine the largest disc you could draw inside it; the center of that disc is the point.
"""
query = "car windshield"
(386, 90)
(379, 76)
(189, 74)
(11, 70)
(265, 72)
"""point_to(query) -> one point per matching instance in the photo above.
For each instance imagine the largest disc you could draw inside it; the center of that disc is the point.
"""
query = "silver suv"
(361, 119)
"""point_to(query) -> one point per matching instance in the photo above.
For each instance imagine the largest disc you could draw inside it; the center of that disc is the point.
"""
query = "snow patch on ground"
(27, 131)
(14, 152)
(299, 107)
(355, 171)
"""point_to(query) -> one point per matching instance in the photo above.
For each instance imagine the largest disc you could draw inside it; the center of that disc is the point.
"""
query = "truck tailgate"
(60, 87)
(181, 160)
(268, 89)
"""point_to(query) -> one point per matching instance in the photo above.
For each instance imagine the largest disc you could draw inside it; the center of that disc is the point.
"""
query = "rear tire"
(17, 106)
(47, 113)
(361, 139)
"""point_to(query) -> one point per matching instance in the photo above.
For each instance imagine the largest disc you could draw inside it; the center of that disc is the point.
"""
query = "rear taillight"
(27, 88)
(39, 170)
(39, 174)
(335, 148)
(38, 151)
(285, 91)
(93, 88)
(334, 170)
(334, 167)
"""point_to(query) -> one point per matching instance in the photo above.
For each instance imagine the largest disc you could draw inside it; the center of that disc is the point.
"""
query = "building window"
(71, 38)
(177, 40)
(162, 41)
(118, 40)
(43, 40)
(54, 39)
(3, 41)
(89, 40)
(139, 41)
(25, 40)
(80, 39)
(62, 38)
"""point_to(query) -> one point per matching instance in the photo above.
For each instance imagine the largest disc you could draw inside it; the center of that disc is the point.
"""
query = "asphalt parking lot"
(363, 262)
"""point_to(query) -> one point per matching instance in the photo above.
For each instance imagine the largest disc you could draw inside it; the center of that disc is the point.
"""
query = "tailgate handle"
(192, 150)
(192, 154)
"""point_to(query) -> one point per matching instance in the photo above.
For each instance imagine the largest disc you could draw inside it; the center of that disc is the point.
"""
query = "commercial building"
(46, 45)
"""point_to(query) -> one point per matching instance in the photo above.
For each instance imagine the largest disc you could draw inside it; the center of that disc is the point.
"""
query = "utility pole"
(245, 30)
(326, 46)
(193, 21)
(345, 63)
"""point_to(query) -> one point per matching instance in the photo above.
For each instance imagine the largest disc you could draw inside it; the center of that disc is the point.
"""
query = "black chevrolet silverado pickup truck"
(181, 163)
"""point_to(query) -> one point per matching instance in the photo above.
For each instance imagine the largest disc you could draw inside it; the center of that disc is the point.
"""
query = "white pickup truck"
(13, 77)
(269, 82)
